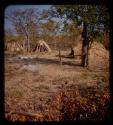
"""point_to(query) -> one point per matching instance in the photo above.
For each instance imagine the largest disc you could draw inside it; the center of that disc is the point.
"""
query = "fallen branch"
(24, 113)
(20, 46)
(60, 57)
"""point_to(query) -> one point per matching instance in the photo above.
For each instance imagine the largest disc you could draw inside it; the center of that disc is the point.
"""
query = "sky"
(8, 9)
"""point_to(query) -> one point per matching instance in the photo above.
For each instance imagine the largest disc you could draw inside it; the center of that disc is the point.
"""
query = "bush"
(73, 103)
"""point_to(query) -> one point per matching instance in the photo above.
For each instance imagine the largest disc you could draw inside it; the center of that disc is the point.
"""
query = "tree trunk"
(106, 40)
(85, 46)
(27, 43)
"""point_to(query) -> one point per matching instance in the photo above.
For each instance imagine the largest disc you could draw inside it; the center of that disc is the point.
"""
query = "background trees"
(25, 23)
(61, 25)
(49, 30)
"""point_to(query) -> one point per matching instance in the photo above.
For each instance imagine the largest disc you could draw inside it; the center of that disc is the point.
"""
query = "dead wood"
(24, 113)
(60, 57)
(20, 46)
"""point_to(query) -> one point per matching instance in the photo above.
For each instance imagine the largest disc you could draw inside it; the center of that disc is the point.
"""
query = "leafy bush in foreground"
(73, 103)
(70, 104)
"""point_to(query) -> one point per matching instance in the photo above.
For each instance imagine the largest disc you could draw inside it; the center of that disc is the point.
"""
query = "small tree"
(49, 27)
(25, 23)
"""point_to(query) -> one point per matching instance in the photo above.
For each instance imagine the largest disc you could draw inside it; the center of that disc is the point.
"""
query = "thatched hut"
(13, 46)
(42, 46)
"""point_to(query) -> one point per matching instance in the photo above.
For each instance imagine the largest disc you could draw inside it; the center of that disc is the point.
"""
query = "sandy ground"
(31, 81)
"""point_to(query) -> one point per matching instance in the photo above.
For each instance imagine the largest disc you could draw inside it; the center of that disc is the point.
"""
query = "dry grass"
(72, 103)
(55, 92)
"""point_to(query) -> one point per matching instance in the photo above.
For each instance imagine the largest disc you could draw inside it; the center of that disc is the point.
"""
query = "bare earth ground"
(31, 81)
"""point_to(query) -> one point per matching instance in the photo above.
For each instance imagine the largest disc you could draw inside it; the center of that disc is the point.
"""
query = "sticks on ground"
(60, 57)
(25, 113)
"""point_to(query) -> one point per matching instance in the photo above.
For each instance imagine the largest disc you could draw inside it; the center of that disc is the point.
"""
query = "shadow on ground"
(42, 60)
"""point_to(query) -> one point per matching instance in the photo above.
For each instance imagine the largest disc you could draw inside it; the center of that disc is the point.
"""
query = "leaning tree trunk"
(85, 46)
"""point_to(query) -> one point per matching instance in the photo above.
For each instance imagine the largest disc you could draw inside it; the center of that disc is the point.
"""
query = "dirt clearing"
(31, 81)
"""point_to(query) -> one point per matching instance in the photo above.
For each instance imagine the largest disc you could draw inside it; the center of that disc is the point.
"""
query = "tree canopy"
(62, 23)
(96, 16)
(93, 18)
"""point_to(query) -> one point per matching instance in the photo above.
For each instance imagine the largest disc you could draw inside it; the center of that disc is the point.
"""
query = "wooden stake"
(60, 57)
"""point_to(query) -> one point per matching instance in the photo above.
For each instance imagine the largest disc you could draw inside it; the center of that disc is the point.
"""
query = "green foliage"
(35, 25)
(70, 30)
(49, 27)
(94, 15)
(99, 38)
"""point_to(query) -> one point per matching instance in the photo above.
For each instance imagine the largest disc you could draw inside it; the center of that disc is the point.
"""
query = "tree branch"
(24, 113)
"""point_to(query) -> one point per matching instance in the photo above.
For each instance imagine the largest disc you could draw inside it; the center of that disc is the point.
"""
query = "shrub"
(70, 104)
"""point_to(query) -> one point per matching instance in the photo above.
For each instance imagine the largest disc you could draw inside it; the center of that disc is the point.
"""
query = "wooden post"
(60, 57)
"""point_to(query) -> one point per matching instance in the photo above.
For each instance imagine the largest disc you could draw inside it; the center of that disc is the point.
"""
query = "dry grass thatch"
(42, 46)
